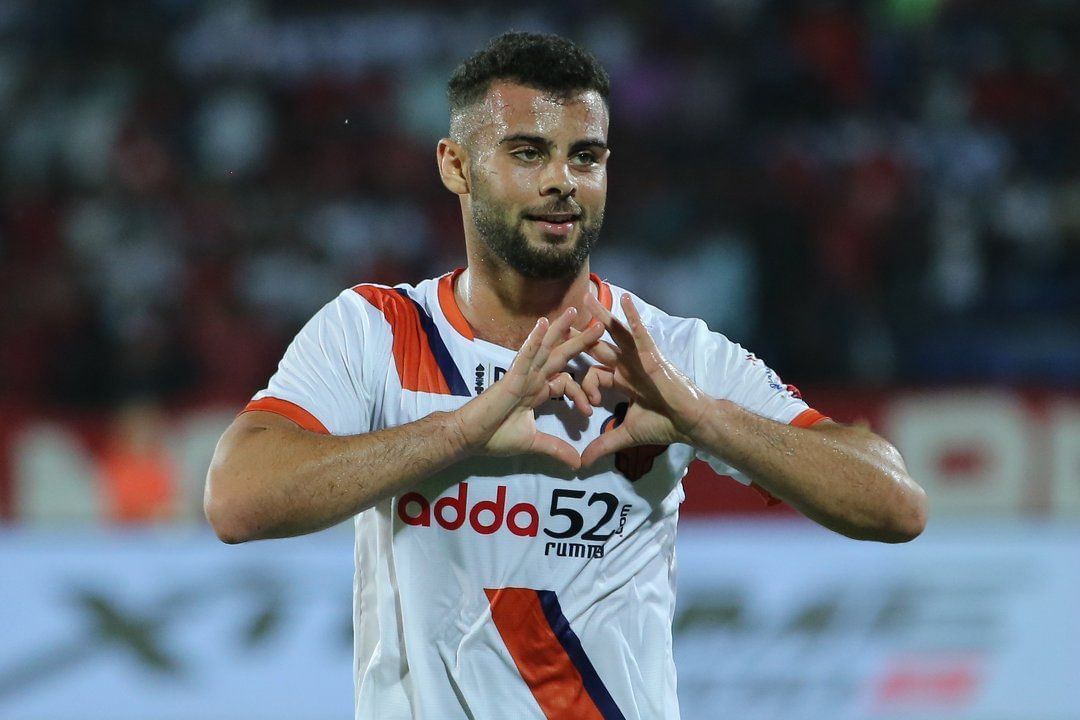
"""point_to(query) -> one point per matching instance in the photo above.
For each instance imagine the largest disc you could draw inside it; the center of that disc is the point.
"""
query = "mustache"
(568, 207)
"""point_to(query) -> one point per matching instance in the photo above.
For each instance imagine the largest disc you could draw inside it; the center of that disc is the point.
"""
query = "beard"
(504, 235)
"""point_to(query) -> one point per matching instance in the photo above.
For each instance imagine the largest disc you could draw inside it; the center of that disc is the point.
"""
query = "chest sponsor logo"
(577, 522)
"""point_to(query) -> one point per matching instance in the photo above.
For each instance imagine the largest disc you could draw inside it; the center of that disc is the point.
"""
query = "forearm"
(847, 479)
(271, 479)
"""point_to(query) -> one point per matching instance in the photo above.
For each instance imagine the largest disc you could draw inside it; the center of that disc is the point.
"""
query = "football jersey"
(507, 587)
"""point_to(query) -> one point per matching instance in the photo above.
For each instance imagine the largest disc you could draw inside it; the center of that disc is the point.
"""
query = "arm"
(270, 478)
(844, 478)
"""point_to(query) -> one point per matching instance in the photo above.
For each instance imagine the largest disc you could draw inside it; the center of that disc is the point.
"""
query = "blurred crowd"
(880, 192)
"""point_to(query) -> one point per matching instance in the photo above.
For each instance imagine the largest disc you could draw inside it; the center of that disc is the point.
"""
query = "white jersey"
(507, 587)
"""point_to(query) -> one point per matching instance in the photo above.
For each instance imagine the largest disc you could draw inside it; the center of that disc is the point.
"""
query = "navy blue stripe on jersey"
(446, 363)
(572, 645)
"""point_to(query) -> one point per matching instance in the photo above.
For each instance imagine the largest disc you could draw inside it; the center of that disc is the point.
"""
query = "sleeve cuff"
(808, 418)
(292, 411)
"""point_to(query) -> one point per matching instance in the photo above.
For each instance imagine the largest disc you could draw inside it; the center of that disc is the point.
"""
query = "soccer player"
(510, 437)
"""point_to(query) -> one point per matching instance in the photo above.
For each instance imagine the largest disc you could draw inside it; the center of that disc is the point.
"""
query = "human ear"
(451, 159)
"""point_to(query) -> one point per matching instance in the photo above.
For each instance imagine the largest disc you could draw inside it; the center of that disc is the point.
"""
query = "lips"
(554, 218)
(555, 223)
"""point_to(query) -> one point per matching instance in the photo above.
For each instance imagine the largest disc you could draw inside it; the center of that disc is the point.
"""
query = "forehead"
(509, 109)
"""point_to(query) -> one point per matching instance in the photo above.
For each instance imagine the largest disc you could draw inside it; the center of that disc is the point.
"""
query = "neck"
(502, 306)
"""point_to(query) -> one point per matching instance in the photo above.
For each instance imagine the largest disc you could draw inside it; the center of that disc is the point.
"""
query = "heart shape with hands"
(665, 405)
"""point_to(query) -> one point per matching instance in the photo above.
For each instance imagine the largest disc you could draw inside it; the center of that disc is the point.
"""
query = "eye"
(528, 154)
(585, 157)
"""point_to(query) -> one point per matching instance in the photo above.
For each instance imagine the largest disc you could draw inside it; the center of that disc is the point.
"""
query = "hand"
(501, 421)
(665, 405)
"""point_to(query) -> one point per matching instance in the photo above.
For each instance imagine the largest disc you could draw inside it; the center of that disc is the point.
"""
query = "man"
(511, 437)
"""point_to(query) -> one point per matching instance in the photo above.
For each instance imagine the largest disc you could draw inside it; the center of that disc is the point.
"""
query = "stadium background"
(881, 198)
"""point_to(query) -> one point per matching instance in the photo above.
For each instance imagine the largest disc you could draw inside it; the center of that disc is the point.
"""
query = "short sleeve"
(724, 369)
(325, 381)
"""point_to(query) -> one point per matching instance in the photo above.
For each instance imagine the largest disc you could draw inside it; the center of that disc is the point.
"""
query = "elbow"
(909, 519)
(907, 509)
(226, 527)
(226, 514)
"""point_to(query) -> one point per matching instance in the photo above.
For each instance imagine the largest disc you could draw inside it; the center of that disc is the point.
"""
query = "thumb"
(610, 442)
(564, 452)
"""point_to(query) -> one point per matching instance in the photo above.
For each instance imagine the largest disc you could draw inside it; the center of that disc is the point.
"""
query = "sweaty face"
(538, 178)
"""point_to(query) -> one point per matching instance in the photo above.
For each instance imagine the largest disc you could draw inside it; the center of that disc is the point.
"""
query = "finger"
(604, 353)
(564, 384)
(641, 334)
(607, 443)
(556, 334)
(573, 347)
(560, 327)
(557, 448)
(531, 346)
(597, 309)
(606, 378)
(596, 379)
(552, 389)
(608, 352)
(619, 332)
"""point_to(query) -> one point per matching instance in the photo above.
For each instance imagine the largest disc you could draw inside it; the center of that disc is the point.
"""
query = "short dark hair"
(544, 62)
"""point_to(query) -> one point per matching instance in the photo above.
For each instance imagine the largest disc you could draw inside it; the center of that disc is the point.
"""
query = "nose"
(558, 180)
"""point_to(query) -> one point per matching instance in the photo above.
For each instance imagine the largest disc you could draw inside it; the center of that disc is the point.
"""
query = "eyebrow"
(544, 142)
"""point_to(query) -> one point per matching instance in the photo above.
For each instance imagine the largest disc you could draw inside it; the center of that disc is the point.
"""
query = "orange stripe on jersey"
(808, 418)
(449, 305)
(294, 412)
(603, 290)
(540, 658)
(416, 364)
